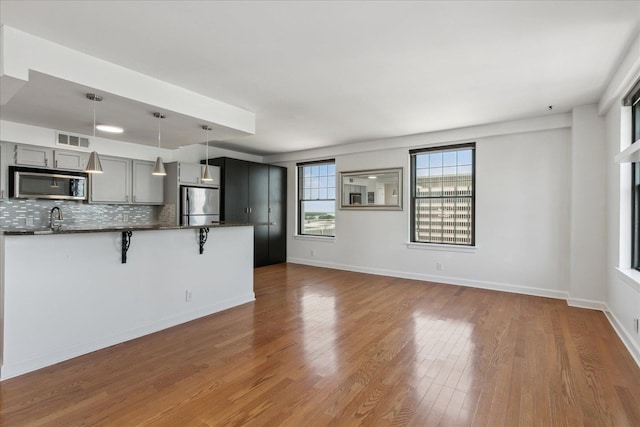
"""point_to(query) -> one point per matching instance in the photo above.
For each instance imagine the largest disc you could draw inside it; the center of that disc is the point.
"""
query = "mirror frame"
(366, 173)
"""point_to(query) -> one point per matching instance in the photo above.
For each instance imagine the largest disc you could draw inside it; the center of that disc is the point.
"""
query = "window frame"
(635, 215)
(442, 148)
(633, 99)
(300, 197)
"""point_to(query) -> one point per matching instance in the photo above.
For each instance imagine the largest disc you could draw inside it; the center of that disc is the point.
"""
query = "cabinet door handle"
(56, 164)
(134, 198)
(46, 161)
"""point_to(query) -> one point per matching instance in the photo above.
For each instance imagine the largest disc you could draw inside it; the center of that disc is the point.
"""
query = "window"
(443, 195)
(634, 101)
(317, 198)
(635, 215)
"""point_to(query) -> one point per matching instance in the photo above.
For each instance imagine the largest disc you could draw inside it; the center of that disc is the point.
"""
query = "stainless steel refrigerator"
(199, 205)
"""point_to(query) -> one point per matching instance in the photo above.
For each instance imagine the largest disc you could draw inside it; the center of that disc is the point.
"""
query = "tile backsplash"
(34, 213)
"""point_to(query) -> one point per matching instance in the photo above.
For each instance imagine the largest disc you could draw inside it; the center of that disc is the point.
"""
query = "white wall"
(81, 298)
(34, 135)
(588, 230)
(622, 283)
(522, 218)
(622, 287)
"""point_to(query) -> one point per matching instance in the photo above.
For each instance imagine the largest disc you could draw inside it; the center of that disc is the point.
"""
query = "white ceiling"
(324, 73)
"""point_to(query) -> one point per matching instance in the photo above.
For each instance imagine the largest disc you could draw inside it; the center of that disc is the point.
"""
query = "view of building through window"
(316, 198)
(443, 195)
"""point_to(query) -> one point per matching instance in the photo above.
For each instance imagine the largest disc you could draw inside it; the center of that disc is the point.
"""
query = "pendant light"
(159, 167)
(93, 165)
(205, 171)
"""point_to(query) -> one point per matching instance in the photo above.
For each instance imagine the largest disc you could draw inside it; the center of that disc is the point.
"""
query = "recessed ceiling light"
(373, 177)
(110, 128)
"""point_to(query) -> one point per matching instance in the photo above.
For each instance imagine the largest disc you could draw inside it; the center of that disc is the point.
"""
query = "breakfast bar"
(67, 292)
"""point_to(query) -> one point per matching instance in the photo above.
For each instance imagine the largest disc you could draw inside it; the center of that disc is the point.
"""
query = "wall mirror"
(379, 189)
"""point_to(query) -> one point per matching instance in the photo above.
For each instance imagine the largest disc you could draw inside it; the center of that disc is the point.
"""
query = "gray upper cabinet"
(191, 173)
(148, 189)
(124, 181)
(29, 155)
(70, 160)
(114, 184)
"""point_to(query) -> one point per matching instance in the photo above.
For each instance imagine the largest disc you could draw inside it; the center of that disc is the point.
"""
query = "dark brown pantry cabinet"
(256, 194)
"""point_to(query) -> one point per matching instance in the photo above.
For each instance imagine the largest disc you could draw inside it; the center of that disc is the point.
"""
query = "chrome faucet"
(52, 219)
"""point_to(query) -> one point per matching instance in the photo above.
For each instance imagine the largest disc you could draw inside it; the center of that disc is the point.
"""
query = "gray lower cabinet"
(148, 189)
(114, 184)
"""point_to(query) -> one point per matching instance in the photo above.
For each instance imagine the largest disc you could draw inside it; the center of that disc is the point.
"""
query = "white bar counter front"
(68, 294)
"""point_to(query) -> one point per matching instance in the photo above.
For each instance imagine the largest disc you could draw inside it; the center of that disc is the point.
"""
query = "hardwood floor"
(327, 347)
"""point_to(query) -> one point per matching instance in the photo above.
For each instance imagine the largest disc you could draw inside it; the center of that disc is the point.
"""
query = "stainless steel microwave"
(34, 183)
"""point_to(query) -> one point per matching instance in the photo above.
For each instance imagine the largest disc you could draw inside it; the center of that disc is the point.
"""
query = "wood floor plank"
(323, 347)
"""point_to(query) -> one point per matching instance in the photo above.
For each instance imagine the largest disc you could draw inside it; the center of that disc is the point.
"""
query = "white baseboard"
(624, 335)
(585, 303)
(527, 290)
(24, 366)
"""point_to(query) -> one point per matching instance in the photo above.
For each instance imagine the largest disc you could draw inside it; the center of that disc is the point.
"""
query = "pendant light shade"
(205, 174)
(205, 171)
(158, 169)
(93, 165)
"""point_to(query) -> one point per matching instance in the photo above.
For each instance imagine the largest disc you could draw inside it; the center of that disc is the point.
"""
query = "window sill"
(326, 239)
(445, 248)
(630, 154)
(630, 276)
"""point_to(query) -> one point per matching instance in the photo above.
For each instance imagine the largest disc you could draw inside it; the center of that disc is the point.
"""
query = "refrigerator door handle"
(188, 208)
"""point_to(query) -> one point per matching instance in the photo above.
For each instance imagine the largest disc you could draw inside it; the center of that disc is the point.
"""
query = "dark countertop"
(69, 229)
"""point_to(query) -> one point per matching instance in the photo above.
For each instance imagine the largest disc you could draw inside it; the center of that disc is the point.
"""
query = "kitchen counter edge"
(107, 229)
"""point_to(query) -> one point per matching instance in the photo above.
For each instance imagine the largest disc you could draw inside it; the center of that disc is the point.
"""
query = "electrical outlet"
(439, 266)
(125, 217)
(313, 252)
(188, 295)
(29, 221)
(636, 325)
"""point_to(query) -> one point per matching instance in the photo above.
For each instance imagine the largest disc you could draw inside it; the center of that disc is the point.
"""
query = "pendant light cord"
(94, 117)
(207, 151)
